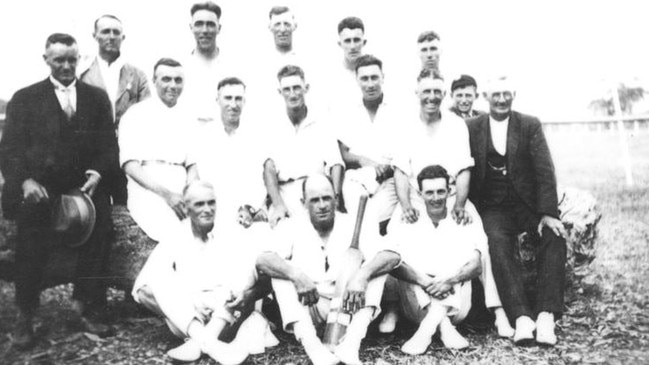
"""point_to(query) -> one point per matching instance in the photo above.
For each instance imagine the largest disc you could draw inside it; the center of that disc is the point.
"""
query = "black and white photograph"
(324, 182)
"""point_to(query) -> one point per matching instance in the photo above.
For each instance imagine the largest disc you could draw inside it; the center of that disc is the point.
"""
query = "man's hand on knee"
(553, 224)
(354, 295)
(307, 292)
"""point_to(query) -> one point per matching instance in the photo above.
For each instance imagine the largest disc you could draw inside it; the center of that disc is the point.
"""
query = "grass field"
(606, 321)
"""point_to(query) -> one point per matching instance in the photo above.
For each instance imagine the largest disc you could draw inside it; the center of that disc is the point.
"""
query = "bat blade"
(352, 259)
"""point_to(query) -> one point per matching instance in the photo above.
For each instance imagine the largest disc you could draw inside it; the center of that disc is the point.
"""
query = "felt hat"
(73, 218)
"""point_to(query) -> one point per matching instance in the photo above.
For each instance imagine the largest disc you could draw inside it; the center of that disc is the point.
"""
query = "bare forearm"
(462, 182)
(406, 273)
(272, 182)
(383, 263)
(135, 171)
(472, 269)
(192, 173)
(271, 264)
(337, 176)
(352, 160)
(402, 185)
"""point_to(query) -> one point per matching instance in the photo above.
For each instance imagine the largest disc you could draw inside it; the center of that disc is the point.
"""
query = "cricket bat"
(338, 319)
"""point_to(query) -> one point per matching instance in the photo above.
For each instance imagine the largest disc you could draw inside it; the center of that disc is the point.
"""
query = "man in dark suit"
(513, 185)
(59, 135)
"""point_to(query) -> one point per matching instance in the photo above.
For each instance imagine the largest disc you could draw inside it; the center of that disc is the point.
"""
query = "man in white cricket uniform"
(309, 257)
(155, 142)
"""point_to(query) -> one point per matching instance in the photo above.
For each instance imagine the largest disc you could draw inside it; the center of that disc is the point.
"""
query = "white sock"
(347, 350)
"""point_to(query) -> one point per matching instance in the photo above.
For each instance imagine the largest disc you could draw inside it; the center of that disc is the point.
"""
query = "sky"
(562, 54)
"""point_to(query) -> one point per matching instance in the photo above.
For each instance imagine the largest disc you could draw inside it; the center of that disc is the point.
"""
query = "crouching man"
(307, 261)
(440, 258)
(201, 283)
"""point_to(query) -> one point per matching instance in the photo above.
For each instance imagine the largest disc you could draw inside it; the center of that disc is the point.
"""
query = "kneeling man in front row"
(305, 265)
(199, 281)
(440, 258)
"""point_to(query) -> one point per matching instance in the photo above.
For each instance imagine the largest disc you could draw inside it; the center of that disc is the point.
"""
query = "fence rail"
(602, 124)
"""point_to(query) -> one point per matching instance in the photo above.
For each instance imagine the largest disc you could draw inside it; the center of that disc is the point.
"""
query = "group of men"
(243, 208)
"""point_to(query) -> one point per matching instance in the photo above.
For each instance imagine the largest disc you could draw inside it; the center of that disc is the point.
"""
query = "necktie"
(68, 108)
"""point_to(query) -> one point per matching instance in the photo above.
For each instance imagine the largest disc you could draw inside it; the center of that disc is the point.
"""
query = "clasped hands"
(437, 287)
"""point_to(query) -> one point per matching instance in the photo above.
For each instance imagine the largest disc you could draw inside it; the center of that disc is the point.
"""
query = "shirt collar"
(117, 64)
(498, 122)
(59, 86)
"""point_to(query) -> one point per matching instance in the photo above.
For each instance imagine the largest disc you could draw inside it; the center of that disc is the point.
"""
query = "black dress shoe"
(23, 333)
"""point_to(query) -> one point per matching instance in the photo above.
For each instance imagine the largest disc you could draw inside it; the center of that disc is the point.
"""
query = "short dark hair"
(428, 73)
(230, 81)
(351, 22)
(432, 172)
(110, 16)
(63, 38)
(463, 81)
(290, 70)
(207, 5)
(165, 62)
(427, 36)
(277, 10)
(367, 60)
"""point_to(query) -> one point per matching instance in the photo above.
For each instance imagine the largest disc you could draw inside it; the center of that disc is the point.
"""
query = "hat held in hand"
(73, 218)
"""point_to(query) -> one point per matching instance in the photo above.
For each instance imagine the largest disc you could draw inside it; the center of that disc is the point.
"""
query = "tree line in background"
(629, 96)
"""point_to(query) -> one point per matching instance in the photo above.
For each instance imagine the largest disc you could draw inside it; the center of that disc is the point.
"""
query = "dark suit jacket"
(32, 146)
(132, 87)
(529, 163)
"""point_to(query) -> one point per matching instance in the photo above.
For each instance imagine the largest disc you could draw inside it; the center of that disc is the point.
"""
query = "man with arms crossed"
(155, 142)
(514, 189)
(306, 263)
(440, 257)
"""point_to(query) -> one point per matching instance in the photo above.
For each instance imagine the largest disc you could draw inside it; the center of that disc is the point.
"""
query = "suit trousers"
(36, 241)
(503, 224)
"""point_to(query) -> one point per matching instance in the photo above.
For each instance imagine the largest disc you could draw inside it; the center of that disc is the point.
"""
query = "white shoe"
(251, 334)
(450, 337)
(545, 329)
(187, 352)
(389, 322)
(318, 353)
(502, 325)
(524, 333)
(347, 352)
(416, 345)
(226, 354)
